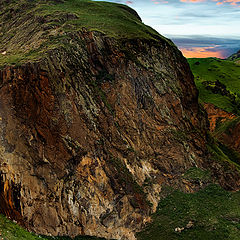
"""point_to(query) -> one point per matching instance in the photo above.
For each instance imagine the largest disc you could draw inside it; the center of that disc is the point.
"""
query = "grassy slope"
(11, 231)
(235, 57)
(215, 214)
(207, 71)
(30, 29)
(225, 95)
(113, 19)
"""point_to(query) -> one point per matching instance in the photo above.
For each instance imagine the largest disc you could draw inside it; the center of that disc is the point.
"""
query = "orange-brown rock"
(230, 135)
(90, 133)
(217, 115)
(81, 134)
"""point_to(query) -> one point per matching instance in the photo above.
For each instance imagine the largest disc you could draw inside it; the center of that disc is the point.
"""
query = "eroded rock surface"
(91, 132)
(217, 116)
(90, 137)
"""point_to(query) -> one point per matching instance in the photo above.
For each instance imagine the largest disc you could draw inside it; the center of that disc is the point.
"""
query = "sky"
(200, 28)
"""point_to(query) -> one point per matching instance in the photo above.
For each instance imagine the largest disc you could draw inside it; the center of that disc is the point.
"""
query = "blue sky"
(209, 27)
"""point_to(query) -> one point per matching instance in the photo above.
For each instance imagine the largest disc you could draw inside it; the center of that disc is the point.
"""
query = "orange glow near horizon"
(201, 52)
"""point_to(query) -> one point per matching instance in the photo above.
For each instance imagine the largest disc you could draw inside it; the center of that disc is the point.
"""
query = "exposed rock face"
(217, 115)
(89, 136)
(90, 133)
(231, 138)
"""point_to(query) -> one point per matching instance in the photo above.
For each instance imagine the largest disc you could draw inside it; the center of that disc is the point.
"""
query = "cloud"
(192, 1)
(159, 1)
(231, 2)
(216, 22)
(199, 46)
(218, 2)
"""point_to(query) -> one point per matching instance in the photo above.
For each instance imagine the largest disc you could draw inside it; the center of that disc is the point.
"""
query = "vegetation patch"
(30, 29)
(223, 155)
(232, 155)
(11, 231)
(197, 174)
(210, 214)
(179, 135)
(227, 127)
(218, 82)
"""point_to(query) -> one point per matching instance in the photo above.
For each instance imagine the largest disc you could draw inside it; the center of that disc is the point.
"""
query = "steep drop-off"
(94, 123)
(218, 84)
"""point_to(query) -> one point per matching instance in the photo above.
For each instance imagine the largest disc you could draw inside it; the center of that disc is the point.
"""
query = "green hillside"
(210, 214)
(32, 28)
(218, 82)
(235, 57)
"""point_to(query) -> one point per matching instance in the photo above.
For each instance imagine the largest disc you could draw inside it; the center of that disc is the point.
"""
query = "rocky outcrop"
(229, 135)
(225, 126)
(91, 132)
(217, 116)
(90, 135)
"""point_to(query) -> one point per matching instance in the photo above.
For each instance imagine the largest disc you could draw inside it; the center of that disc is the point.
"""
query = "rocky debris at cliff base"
(178, 229)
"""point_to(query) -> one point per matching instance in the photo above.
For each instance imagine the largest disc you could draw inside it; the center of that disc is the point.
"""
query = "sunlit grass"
(209, 70)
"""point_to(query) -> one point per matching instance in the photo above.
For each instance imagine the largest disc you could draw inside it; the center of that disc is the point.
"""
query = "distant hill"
(218, 82)
(235, 56)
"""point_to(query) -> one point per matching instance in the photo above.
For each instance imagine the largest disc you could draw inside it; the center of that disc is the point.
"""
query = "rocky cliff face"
(217, 116)
(91, 132)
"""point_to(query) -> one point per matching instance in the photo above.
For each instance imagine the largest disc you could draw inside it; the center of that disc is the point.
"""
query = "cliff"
(217, 116)
(93, 122)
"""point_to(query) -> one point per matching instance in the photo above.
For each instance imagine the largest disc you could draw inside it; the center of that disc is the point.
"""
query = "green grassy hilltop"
(32, 28)
(218, 82)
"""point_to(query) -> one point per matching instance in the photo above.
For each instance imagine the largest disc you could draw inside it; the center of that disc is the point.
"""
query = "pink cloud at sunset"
(201, 52)
(235, 3)
(192, 0)
(231, 2)
(218, 2)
